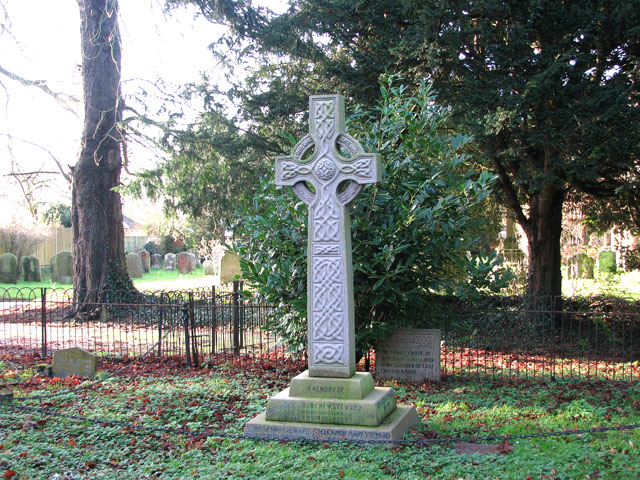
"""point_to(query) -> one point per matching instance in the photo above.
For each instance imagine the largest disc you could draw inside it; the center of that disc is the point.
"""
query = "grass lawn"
(37, 446)
(624, 284)
(156, 280)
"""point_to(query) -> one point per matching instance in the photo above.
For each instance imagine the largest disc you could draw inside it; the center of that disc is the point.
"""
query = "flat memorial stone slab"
(74, 361)
(369, 411)
(410, 354)
(354, 388)
(392, 428)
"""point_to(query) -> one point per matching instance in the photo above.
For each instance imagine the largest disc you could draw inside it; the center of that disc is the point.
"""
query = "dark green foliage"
(410, 233)
(58, 214)
(549, 90)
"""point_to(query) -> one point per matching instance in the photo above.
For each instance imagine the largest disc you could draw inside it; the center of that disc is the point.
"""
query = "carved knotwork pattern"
(292, 169)
(325, 118)
(328, 309)
(361, 168)
(326, 220)
(329, 354)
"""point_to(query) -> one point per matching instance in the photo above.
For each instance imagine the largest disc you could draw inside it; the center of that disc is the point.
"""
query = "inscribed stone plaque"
(74, 361)
(230, 267)
(409, 354)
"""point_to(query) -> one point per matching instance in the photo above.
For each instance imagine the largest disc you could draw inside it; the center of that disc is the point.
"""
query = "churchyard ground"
(146, 393)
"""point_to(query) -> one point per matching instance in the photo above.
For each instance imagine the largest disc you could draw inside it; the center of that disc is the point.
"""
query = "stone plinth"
(392, 428)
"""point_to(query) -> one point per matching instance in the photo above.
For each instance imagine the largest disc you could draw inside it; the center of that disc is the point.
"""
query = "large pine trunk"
(98, 234)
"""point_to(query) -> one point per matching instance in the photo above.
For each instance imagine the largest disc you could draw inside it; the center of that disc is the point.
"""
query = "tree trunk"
(98, 234)
(543, 235)
(544, 280)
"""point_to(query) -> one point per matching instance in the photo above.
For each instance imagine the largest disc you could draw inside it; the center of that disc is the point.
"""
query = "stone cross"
(327, 170)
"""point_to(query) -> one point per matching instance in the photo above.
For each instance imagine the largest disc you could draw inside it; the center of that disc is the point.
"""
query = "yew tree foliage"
(410, 233)
(548, 89)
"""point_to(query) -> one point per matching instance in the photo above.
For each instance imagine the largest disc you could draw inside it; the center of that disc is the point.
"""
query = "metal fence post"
(194, 336)
(160, 322)
(214, 320)
(43, 317)
(185, 325)
(236, 318)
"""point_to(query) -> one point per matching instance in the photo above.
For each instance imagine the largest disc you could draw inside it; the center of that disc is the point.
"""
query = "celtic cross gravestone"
(330, 401)
(322, 182)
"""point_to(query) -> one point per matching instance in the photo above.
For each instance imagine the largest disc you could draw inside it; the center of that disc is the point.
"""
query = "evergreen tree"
(548, 89)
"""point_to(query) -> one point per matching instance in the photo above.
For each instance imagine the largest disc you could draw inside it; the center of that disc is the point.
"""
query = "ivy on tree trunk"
(98, 233)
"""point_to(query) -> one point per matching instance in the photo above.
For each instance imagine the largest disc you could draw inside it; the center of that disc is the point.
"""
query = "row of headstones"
(141, 262)
(61, 268)
(582, 265)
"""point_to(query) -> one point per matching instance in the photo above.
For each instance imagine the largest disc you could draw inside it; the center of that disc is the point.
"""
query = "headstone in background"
(62, 267)
(409, 354)
(607, 262)
(145, 258)
(209, 268)
(156, 262)
(196, 253)
(8, 268)
(74, 361)
(31, 269)
(184, 263)
(193, 260)
(170, 261)
(134, 265)
(581, 266)
(230, 268)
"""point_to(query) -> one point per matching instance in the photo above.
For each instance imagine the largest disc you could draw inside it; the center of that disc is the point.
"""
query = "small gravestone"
(196, 254)
(134, 265)
(170, 261)
(62, 267)
(194, 261)
(581, 266)
(156, 262)
(8, 268)
(209, 268)
(74, 361)
(607, 262)
(31, 269)
(145, 258)
(184, 263)
(230, 268)
(409, 354)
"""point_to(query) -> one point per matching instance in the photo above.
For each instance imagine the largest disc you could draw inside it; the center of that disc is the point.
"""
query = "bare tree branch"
(62, 98)
(66, 175)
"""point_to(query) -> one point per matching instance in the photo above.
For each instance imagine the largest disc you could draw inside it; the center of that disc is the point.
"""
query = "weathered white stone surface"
(230, 268)
(329, 283)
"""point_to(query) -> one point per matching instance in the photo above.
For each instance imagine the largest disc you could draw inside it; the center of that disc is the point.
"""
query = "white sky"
(172, 47)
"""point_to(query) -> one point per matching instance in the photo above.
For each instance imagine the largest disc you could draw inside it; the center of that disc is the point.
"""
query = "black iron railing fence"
(505, 337)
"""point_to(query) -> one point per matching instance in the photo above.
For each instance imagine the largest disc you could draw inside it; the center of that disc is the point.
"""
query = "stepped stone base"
(370, 411)
(392, 428)
(333, 409)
